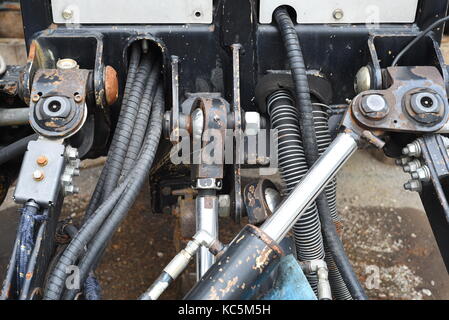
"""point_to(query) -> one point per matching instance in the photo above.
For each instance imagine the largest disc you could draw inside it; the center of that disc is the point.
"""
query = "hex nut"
(412, 150)
(374, 106)
(252, 123)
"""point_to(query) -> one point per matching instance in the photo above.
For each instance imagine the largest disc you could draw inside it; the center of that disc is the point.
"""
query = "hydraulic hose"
(141, 123)
(142, 170)
(324, 139)
(301, 84)
(305, 107)
(56, 280)
(125, 125)
(132, 72)
(15, 149)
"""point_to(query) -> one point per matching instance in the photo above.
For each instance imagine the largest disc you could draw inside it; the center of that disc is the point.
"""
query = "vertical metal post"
(239, 154)
(206, 220)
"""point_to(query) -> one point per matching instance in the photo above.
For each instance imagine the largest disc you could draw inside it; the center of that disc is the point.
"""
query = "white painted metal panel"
(132, 11)
(344, 11)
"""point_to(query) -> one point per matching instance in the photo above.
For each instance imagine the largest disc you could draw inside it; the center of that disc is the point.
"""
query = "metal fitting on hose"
(180, 262)
(320, 268)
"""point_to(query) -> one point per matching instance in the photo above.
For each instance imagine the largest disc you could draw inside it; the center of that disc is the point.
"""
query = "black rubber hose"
(301, 83)
(125, 125)
(56, 280)
(16, 149)
(295, 57)
(132, 72)
(141, 170)
(141, 124)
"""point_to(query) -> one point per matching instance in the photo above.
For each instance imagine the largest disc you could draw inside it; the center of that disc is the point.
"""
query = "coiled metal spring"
(324, 139)
(293, 166)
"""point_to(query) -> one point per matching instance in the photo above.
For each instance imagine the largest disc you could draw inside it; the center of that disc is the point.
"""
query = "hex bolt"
(252, 123)
(338, 14)
(72, 171)
(38, 175)
(42, 161)
(422, 174)
(70, 190)
(374, 106)
(412, 166)
(71, 153)
(66, 179)
(412, 150)
(413, 185)
(403, 161)
(67, 14)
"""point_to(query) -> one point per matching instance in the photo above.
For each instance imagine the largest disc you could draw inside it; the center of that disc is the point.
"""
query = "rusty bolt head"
(78, 98)
(42, 161)
(36, 98)
(110, 85)
(374, 106)
(38, 175)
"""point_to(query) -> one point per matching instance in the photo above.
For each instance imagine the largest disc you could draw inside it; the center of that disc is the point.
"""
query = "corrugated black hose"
(141, 123)
(126, 124)
(132, 72)
(141, 169)
(304, 103)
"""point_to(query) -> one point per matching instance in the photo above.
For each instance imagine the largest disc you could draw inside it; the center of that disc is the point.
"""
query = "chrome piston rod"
(207, 220)
(308, 189)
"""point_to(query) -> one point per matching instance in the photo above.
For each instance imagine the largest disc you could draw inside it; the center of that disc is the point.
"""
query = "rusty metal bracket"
(215, 111)
(58, 102)
(402, 84)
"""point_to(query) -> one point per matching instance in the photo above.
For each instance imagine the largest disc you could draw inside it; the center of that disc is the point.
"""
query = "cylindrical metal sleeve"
(241, 269)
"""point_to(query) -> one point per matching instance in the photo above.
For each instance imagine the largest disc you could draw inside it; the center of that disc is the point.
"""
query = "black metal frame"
(338, 51)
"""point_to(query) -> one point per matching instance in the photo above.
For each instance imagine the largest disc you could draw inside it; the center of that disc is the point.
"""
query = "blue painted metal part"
(291, 283)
